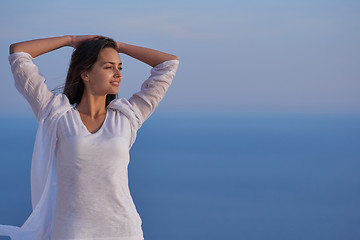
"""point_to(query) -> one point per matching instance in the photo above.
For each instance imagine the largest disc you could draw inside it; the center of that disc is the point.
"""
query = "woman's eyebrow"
(111, 63)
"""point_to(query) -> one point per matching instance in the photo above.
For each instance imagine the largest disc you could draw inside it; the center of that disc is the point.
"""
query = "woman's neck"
(91, 105)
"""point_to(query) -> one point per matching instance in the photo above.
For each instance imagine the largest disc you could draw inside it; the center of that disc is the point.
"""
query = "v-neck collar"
(83, 125)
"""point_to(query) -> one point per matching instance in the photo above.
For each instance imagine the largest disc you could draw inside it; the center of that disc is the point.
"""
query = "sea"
(216, 176)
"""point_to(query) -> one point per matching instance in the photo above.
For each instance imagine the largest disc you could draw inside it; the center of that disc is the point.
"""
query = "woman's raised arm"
(38, 47)
(144, 102)
(146, 55)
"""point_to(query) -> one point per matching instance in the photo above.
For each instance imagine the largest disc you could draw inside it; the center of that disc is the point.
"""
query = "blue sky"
(236, 56)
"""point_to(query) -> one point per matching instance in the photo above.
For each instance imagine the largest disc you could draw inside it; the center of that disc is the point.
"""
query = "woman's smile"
(115, 83)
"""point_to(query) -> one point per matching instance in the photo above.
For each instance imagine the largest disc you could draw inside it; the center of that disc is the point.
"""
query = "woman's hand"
(77, 40)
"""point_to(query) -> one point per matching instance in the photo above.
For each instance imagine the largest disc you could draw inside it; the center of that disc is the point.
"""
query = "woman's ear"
(85, 76)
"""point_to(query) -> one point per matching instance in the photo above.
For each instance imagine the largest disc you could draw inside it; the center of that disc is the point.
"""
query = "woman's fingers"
(78, 39)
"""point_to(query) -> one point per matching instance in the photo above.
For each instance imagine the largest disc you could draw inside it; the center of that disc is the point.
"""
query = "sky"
(235, 56)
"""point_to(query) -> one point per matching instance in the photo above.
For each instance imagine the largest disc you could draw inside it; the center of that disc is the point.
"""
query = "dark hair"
(82, 59)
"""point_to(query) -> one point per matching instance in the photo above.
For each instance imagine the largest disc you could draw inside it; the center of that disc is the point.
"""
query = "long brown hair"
(82, 59)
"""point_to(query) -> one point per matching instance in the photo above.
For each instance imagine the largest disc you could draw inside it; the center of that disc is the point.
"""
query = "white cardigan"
(48, 108)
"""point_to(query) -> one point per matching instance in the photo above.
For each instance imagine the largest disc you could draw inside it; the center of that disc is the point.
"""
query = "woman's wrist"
(120, 47)
(69, 40)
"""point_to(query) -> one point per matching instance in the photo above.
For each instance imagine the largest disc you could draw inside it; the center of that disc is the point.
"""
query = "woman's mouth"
(115, 83)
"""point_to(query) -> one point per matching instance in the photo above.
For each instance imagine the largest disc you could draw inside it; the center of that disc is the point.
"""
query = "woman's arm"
(28, 81)
(146, 55)
(144, 102)
(38, 47)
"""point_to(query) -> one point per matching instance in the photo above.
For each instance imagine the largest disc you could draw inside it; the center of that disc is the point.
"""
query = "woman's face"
(105, 76)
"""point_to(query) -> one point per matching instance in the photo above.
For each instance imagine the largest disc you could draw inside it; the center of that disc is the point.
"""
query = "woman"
(79, 180)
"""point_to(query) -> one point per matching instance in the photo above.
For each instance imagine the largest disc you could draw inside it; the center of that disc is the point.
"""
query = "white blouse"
(72, 199)
(93, 199)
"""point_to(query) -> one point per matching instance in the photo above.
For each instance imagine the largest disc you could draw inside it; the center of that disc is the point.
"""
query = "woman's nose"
(117, 73)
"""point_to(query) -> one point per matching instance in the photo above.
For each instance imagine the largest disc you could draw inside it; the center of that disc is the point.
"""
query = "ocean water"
(223, 176)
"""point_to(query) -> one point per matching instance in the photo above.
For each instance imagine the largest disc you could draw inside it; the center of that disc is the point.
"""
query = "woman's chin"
(113, 91)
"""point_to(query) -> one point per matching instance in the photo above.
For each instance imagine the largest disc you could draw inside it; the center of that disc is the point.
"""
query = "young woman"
(79, 181)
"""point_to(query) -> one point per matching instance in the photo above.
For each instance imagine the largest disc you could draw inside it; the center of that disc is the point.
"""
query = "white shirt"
(93, 198)
(49, 109)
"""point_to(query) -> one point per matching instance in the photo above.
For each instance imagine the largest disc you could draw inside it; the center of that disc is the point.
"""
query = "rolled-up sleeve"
(29, 82)
(153, 89)
(142, 104)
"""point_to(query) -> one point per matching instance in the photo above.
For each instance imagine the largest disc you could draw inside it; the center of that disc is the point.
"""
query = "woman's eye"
(120, 68)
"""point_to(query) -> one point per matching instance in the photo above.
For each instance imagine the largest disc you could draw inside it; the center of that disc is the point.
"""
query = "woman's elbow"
(12, 48)
(174, 57)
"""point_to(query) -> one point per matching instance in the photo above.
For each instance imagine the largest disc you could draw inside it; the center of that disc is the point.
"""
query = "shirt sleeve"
(140, 106)
(29, 82)
(153, 89)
